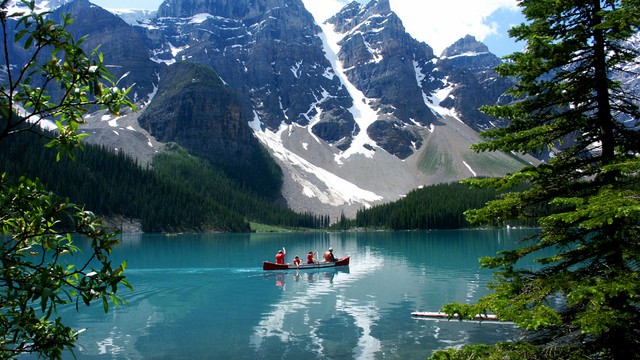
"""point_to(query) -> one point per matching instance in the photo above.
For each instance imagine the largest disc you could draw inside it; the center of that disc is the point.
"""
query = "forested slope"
(178, 193)
(433, 207)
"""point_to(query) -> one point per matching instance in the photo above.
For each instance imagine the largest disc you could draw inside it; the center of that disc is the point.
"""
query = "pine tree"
(586, 198)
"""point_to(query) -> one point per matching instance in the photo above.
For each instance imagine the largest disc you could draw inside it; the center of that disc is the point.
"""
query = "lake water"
(200, 296)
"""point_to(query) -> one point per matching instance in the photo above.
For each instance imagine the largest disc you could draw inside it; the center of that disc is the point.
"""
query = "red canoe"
(268, 265)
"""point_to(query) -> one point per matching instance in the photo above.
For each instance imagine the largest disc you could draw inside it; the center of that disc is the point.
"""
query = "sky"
(439, 23)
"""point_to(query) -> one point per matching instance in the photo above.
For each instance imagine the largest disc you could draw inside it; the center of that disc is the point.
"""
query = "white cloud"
(438, 23)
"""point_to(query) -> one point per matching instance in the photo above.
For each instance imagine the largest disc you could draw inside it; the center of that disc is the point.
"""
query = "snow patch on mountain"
(363, 114)
(420, 76)
(433, 102)
(200, 18)
(317, 109)
(466, 54)
(338, 191)
(470, 169)
(43, 123)
(174, 50)
(376, 54)
(134, 17)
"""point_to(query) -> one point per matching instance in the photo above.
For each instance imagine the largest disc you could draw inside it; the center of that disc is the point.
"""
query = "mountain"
(195, 109)
(267, 52)
(390, 69)
(128, 59)
(354, 111)
(472, 82)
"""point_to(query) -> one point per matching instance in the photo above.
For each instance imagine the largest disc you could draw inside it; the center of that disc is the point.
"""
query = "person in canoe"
(280, 256)
(328, 256)
(296, 261)
(310, 259)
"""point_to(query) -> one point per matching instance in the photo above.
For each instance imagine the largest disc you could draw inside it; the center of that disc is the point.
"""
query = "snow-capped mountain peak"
(355, 110)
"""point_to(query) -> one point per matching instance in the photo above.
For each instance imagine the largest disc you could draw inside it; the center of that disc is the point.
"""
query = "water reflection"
(206, 296)
(367, 314)
(311, 276)
(305, 309)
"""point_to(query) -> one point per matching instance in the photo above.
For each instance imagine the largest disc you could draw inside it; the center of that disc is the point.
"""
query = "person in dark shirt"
(328, 256)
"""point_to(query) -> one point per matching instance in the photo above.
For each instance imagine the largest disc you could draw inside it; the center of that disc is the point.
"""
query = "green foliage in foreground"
(502, 351)
(36, 226)
(36, 275)
(584, 301)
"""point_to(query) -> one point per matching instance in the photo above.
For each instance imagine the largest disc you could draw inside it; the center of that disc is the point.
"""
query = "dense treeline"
(268, 184)
(178, 193)
(433, 207)
(182, 169)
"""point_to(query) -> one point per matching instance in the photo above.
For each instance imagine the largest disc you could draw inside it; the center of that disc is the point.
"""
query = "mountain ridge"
(355, 111)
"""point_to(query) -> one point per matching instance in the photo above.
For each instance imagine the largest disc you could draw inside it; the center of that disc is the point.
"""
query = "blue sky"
(438, 23)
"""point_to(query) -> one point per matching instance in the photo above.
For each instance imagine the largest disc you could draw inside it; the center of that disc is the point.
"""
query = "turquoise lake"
(205, 296)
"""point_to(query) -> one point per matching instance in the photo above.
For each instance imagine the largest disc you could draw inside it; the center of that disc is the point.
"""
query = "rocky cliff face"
(472, 82)
(231, 9)
(40, 6)
(124, 48)
(268, 52)
(392, 70)
(128, 59)
(279, 63)
(195, 109)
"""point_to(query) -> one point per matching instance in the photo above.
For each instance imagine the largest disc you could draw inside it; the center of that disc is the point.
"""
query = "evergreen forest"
(179, 192)
(440, 206)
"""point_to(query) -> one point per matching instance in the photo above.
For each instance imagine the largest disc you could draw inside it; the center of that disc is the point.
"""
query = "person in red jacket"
(296, 261)
(310, 259)
(280, 256)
